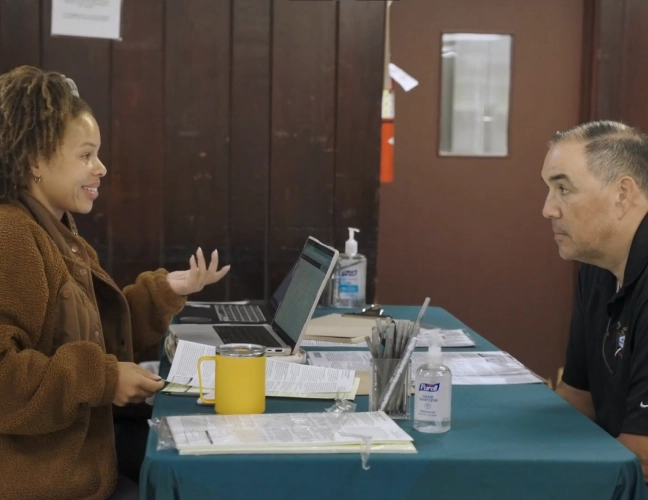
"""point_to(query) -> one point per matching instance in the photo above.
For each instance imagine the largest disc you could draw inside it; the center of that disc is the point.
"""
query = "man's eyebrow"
(559, 177)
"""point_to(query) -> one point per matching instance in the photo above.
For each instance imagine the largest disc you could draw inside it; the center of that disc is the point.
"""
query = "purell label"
(349, 284)
(429, 387)
(432, 401)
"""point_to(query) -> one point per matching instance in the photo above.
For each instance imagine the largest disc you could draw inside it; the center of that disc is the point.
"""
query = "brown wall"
(242, 125)
(621, 62)
(469, 230)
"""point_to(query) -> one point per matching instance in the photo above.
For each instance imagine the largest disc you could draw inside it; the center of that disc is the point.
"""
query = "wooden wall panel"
(620, 75)
(20, 33)
(137, 141)
(250, 147)
(360, 85)
(87, 62)
(197, 112)
(609, 35)
(633, 90)
(241, 125)
(303, 129)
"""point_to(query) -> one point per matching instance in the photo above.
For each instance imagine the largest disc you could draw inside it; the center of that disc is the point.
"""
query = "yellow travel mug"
(240, 379)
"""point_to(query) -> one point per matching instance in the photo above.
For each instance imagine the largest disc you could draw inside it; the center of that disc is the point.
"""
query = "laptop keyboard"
(246, 334)
(239, 314)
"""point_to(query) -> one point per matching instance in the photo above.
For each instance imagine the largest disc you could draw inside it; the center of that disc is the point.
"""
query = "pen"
(389, 342)
(393, 381)
(417, 325)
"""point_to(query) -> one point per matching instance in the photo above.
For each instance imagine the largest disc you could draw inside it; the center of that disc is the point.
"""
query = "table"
(506, 442)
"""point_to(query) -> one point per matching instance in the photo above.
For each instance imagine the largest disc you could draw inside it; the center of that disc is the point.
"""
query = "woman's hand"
(198, 275)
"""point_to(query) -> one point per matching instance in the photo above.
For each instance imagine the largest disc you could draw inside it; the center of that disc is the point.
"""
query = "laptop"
(283, 336)
(214, 312)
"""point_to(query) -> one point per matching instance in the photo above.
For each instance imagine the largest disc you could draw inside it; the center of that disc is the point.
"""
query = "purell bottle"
(432, 400)
(350, 275)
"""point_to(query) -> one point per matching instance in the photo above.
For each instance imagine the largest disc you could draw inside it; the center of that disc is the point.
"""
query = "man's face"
(579, 205)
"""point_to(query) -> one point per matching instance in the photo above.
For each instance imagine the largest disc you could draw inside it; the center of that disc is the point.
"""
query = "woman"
(67, 332)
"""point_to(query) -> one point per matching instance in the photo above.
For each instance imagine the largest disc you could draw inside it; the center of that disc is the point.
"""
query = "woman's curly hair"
(35, 109)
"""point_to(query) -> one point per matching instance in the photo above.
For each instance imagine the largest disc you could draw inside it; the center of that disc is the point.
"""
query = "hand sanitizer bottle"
(350, 275)
(432, 400)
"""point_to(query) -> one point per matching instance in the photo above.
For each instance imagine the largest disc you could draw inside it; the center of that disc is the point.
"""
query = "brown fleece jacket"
(64, 324)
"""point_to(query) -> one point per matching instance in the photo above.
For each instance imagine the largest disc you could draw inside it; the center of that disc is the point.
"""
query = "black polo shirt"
(607, 353)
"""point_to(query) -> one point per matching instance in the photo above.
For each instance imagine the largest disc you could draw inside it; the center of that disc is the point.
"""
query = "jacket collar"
(63, 232)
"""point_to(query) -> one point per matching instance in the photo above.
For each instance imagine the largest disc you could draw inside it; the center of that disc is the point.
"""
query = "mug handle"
(200, 386)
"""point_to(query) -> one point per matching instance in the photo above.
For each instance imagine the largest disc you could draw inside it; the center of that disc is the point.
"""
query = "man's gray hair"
(613, 150)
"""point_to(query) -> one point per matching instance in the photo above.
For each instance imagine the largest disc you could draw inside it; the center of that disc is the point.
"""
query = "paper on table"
(292, 378)
(184, 369)
(448, 338)
(284, 432)
(351, 395)
(475, 368)
(336, 326)
(326, 343)
(402, 78)
(295, 378)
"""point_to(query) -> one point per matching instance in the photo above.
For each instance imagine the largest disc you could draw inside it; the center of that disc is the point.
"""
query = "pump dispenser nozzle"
(351, 245)
(434, 354)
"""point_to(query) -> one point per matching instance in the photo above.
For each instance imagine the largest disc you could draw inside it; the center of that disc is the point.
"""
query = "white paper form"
(294, 378)
(87, 18)
(184, 369)
(351, 395)
(341, 360)
(281, 377)
(282, 431)
(486, 368)
(447, 338)
(475, 368)
(325, 343)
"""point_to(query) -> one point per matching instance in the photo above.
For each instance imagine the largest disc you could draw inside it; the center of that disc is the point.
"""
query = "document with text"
(474, 368)
(288, 433)
(281, 377)
(447, 338)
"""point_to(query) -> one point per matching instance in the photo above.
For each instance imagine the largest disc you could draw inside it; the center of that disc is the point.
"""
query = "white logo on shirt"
(643, 405)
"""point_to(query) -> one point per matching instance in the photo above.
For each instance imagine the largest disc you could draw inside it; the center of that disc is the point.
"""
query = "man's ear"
(627, 192)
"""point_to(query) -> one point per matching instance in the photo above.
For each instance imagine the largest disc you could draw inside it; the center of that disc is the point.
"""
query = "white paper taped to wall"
(87, 18)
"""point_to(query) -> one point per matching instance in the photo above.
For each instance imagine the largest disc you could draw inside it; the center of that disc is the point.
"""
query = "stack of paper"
(288, 433)
(447, 338)
(282, 379)
(339, 328)
(474, 368)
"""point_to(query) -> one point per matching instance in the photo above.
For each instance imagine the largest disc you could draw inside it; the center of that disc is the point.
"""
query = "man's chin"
(566, 254)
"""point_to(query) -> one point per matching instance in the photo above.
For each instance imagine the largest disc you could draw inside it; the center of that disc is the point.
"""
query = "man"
(597, 174)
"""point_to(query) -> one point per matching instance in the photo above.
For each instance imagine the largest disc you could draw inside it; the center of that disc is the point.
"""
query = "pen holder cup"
(382, 370)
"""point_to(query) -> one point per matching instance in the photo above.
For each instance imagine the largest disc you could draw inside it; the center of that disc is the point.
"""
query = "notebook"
(284, 334)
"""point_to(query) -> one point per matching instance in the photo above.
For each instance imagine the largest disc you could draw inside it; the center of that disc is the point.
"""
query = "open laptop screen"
(305, 286)
(280, 292)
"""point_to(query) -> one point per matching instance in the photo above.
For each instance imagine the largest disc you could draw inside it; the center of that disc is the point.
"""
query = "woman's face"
(70, 179)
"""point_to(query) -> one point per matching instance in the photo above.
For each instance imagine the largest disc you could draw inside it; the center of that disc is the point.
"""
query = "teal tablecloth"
(506, 442)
